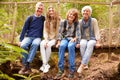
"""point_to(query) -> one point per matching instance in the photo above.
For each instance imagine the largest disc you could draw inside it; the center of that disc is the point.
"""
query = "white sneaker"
(42, 67)
(46, 68)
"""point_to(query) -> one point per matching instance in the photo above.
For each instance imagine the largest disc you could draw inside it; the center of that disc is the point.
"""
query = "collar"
(36, 15)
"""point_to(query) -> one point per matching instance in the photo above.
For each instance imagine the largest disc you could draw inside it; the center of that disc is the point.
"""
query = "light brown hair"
(54, 20)
(74, 12)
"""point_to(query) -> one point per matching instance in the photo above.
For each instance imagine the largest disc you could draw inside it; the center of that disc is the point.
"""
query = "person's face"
(39, 10)
(51, 12)
(71, 17)
(86, 13)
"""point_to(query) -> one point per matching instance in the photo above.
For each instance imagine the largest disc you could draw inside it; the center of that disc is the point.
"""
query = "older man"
(31, 35)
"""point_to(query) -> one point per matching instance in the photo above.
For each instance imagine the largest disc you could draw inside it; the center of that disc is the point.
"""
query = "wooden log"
(102, 49)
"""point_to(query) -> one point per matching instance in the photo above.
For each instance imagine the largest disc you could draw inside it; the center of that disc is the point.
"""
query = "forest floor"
(100, 68)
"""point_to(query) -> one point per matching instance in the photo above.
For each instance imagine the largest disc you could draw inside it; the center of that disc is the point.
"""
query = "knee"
(62, 46)
(91, 44)
(82, 44)
(36, 44)
(42, 44)
(71, 46)
(24, 46)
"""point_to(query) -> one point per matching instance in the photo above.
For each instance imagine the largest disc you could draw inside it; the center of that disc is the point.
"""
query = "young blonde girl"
(50, 33)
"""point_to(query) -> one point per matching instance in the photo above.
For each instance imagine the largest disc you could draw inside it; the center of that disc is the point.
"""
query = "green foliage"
(116, 16)
(9, 52)
(14, 48)
(5, 77)
(30, 77)
(23, 13)
(5, 23)
(101, 13)
(64, 8)
(3, 17)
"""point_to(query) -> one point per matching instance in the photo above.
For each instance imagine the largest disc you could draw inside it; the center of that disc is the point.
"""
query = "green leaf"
(14, 48)
(22, 76)
(5, 77)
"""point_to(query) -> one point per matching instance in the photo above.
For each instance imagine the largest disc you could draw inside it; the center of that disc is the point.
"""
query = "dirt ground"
(100, 68)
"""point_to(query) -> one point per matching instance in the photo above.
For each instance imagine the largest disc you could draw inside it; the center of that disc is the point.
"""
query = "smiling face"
(86, 13)
(39, 9)
(71, 17)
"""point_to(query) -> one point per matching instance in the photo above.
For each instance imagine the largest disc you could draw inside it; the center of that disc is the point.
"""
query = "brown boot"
(85, 67)
(80, 69)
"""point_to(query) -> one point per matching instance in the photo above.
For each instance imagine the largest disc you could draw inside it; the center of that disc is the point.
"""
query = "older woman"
(89, 36)
(50, 34)
(68, 32)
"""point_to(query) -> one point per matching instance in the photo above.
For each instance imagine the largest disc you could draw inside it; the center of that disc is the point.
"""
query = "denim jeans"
(71, 54)
(86, 50)
(33, 43)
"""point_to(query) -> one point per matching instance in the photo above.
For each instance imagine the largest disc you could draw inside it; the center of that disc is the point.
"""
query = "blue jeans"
(33, 43)
(86, 50)
(71, 54)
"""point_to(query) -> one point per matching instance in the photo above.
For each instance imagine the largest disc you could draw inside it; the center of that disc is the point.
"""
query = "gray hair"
(39, 4)
(86, 7)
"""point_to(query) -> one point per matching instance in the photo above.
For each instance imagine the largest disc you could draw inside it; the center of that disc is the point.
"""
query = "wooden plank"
(110, 29)
(79, 2)
(103, 48)
(116, 2)
(14, 22)
(49, 1)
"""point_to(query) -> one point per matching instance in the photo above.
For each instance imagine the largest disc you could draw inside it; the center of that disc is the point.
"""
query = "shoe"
(41, 68)
(71, 75)
(59, 74)
(80, 69)
(46, 68)
(86, 67)
(22, 71)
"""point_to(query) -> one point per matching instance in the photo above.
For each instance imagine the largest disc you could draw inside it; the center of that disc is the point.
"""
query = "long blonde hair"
(54, 20)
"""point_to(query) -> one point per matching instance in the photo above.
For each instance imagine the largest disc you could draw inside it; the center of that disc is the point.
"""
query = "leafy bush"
(9, 52)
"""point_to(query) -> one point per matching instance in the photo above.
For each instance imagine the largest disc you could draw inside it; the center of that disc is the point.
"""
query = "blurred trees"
(100, 11)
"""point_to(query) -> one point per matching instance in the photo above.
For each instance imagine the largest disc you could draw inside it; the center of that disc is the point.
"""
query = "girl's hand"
(19, 43)
(58, 44)
(46, 45)
(97, 45)
(73, 40)
(77, 45)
